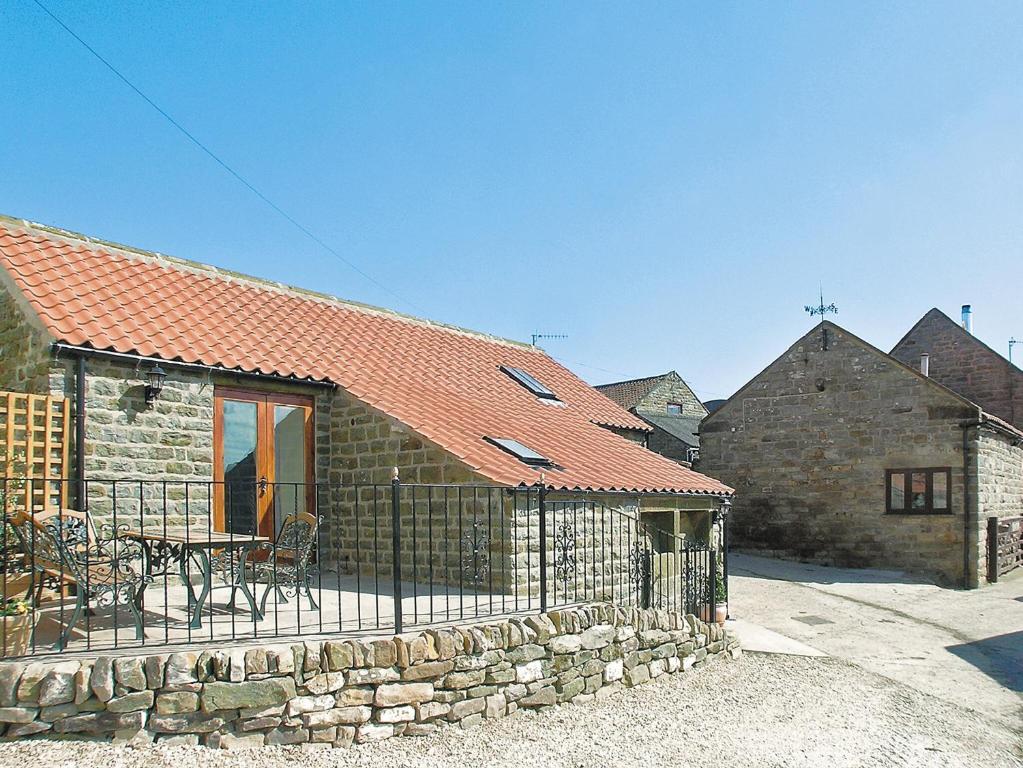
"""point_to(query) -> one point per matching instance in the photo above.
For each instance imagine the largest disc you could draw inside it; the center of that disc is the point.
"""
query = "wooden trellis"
(34, 449)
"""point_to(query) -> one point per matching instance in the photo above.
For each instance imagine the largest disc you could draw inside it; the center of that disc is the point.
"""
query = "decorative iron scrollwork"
(564, 551)
(639, 567)
(475, 553)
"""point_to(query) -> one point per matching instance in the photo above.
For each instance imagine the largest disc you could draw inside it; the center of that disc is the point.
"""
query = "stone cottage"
(184, 373)
(845, 455)
(670, 409)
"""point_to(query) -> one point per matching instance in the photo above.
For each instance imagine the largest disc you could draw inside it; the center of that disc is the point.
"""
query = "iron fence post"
(646, 596)
(713, 585)
(992, 550)
(542, 497)
(724, 563)
(396, 547)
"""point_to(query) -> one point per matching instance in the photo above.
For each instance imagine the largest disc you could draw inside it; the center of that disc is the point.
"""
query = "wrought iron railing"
(138, 563)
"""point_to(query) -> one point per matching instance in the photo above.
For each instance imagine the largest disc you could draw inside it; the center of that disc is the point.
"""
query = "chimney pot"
(967, 319)
(925, 364)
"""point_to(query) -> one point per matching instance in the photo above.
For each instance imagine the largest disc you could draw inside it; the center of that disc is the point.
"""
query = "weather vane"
(822, 310)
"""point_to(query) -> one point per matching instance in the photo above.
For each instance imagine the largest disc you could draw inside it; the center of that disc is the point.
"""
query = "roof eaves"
(1000, 425)
(636, 427)
(61, 345)
(665, 491)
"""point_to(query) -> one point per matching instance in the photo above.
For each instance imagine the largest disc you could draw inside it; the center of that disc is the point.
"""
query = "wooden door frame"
(265, 466)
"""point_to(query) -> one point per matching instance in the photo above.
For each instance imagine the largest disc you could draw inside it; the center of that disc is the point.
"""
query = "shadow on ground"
(999, 657)
(750, 563)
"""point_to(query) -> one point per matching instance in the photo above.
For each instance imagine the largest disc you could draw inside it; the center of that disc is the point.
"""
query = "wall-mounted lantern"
(155, 377)
(721, 513)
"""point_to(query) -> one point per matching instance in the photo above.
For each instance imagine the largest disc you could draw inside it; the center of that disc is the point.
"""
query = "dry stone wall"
(336, 692)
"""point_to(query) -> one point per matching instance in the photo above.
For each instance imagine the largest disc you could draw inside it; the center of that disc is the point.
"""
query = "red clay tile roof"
(628, 394)
(445, 383)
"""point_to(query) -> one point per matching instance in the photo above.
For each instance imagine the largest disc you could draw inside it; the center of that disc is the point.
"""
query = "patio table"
(172, 547)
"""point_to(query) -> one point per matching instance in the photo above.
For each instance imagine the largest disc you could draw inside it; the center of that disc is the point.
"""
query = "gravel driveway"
(757, 711)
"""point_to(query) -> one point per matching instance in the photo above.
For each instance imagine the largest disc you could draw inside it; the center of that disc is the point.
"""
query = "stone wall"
(365, 446)
(965, 365)
(671, 390)
(999, 485)
(127, 441)
(336, 692)
(669, 446)
(806, 445)
(24, 349)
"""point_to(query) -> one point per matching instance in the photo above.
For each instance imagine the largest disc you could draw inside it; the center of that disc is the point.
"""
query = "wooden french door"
(263, 459)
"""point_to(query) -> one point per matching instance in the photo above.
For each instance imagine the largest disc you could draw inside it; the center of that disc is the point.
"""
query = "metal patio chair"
(287, 568)
(65, 548)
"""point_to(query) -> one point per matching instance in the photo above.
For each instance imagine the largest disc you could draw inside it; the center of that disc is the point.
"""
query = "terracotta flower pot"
(15, 634)
(721, 613)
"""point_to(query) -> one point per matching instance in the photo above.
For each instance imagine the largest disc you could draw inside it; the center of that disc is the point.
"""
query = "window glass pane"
(239, 445)
(898, 491)
(529, 382)
(940, 490)
(918, 491)
(674, 409)
(520, 451)
(289, 462)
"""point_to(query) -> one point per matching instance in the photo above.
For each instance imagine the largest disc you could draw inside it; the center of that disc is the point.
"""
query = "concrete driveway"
(963, 647)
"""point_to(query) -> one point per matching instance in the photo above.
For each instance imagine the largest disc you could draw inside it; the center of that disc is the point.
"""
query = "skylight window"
(529, 382)
(520, 452)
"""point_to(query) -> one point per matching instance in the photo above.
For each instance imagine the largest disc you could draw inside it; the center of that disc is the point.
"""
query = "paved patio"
(346, 604)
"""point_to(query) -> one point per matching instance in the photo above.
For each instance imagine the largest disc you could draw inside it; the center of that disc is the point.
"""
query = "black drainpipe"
(966, 500)
(80, 494)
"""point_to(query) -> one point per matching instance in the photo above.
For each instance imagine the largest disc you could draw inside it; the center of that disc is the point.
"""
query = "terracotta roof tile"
(628, 394)
(443, 382)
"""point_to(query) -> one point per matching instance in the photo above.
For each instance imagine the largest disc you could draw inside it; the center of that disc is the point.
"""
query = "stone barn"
(844, 455)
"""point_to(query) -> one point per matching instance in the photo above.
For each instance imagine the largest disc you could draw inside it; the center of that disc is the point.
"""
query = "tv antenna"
(1012, 343)
(537, 336)
(822, 310)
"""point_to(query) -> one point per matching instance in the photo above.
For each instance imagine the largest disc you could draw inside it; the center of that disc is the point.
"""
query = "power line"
(251, 187)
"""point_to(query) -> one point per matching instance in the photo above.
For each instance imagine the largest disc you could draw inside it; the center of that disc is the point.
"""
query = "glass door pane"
(290, 478)
(241, 466)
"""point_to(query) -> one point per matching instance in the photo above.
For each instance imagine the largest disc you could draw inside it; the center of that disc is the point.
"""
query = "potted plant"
(713, 591)
(720, 599)
(704, 587)
(16, 631)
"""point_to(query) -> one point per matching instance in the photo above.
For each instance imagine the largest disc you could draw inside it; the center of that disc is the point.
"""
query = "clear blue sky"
(667, 184)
